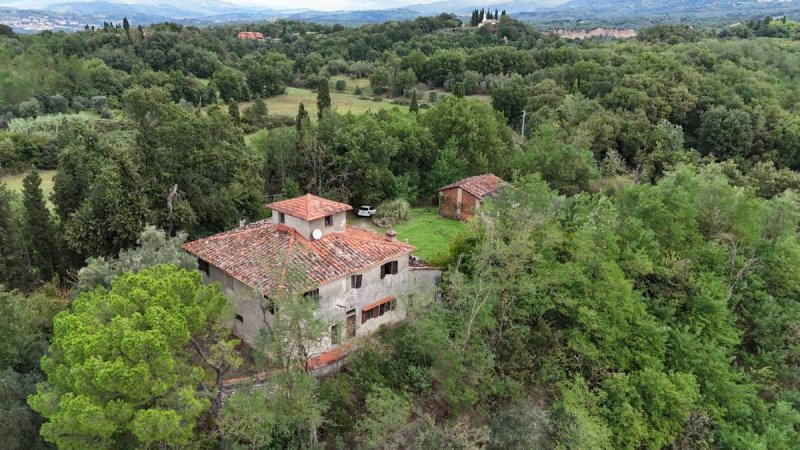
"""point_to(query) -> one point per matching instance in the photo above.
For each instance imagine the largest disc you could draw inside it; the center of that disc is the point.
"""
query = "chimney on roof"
(391, 235)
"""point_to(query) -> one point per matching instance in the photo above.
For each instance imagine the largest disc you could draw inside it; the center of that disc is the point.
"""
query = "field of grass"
(14, 182)
(426, 230)
(287, 104)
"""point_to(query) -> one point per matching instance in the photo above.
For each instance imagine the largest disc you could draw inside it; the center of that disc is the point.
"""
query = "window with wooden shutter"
(390, 268)
(355, 281)
(374, 311)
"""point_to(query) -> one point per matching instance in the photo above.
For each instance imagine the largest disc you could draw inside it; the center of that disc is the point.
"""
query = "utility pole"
(522, 134)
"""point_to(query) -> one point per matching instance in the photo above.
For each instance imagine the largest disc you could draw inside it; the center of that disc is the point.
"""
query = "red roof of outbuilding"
(309, 207)
(479, 186)
(266, 256)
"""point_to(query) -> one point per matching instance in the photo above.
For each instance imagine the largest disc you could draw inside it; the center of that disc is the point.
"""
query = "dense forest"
(635, 286)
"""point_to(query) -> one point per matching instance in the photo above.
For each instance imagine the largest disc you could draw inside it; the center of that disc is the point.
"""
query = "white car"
(366, 211)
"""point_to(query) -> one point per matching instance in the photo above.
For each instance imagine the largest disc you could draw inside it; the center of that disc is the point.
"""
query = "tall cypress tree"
(233, 110)
(323, 97)
(414, 105)
(45, 250)
(127, 26)
(302, 116)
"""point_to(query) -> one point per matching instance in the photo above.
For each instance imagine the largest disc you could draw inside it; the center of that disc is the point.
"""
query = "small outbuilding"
(460, 200)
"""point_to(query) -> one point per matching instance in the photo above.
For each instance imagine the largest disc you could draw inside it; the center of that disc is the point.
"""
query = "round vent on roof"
(316, 234)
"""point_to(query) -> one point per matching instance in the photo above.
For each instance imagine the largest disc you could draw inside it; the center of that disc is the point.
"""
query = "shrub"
(340, 85)
(393, 211)
(98, 103)
(432, 96)
(357, 90)
(377, 99)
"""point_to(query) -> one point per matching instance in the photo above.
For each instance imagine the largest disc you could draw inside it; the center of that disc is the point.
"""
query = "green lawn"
(431, 233)
(426, 230)
(287, 104)
(14, 182)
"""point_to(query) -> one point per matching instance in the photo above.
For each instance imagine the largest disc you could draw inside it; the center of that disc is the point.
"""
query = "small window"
(281, 218)
(355, 281)
(336, 335)
(328, 221)
(390, 268)
(202, 266)
(312, 294)
(239, 318)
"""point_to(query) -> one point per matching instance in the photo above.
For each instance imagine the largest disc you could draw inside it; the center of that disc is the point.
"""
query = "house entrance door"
(351, 323)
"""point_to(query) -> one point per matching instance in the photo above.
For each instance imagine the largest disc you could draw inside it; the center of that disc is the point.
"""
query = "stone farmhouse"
(360, 279)
(460, 200)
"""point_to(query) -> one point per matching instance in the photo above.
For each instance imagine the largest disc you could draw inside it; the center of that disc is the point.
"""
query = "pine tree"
(44, 243)
(323, 97)
(233, 110)
(496, 15)
(414, 105)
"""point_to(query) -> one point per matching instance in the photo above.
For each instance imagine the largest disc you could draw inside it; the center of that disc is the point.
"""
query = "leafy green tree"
(323, 97)
(231, 84)
(119, 370)
(386, 412)
(481, 135)
(379, 80)
(565, 167)
(114, 211)
(26, 328)
(256, 116)
(153, 247)
(284, 411)
(726, 133)
(44, 241)
(15, 266)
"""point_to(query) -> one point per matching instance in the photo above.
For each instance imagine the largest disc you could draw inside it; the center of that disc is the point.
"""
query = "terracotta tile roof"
(309, 207)
(266, 256)
(330, 356)
(479, 186)
(388, 298)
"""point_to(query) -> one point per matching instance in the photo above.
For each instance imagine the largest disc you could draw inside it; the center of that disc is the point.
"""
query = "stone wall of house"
(457, 204)
(306, 228)
(337, 299)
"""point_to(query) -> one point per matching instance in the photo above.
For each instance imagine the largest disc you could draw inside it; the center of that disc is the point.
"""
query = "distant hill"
(73, 15)
(466, 6)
